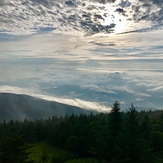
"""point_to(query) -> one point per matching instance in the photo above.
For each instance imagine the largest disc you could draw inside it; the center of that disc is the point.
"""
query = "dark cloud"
(92, 28)
(148, 10)
(70, 3)
(102, 43)
(120, 10)
(97, 16)
(104, 1)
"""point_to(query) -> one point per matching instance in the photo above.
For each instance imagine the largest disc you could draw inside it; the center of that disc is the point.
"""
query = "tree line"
(114, 137)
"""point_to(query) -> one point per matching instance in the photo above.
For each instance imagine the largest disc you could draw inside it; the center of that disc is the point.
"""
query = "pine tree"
(133, 147)
(115, 121)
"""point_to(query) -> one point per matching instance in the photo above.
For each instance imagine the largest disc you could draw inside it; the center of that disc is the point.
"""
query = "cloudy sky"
(87, 53)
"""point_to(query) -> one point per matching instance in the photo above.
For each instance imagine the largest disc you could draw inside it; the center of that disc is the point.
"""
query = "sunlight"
(113, 17)
(122, 25)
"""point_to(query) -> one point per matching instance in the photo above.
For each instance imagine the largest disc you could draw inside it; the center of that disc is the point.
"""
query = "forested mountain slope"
(114, 137)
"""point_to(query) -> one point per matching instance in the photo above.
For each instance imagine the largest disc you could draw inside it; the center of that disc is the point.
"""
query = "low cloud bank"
(74, 102)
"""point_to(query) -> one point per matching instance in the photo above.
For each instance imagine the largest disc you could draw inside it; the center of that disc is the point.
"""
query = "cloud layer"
(79, 16)
(91, 72)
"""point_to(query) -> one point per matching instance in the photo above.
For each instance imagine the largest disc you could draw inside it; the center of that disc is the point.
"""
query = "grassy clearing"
(43, 152)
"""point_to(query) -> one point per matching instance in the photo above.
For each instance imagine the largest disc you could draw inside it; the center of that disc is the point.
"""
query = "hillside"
(114, 137)
(20, 107)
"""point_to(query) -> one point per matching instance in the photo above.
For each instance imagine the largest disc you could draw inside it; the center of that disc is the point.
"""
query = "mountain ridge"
(20, 107)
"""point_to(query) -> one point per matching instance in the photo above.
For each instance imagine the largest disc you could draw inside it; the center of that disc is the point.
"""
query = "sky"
(86, 53)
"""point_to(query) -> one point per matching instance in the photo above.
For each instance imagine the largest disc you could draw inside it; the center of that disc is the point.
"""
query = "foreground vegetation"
(115, 137)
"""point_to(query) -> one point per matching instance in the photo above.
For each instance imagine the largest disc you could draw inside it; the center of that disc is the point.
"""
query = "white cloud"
(80, 16)
(79, 103)
(156, 89)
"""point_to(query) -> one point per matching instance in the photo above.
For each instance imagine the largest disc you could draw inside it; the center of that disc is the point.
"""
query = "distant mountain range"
(20, 107)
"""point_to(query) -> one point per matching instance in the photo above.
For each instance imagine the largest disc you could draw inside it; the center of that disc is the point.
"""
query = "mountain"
(20, 107)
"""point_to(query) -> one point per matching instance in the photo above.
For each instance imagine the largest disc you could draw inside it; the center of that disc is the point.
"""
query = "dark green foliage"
(13, 149)
(133, 147)
(114, 137)
(115, 122)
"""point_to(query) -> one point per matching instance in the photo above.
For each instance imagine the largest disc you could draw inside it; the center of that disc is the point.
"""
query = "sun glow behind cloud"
(111, 16)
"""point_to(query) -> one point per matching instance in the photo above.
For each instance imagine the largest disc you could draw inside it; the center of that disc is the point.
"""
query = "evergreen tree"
(13, 149)
(115, 122)
(133, 147)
